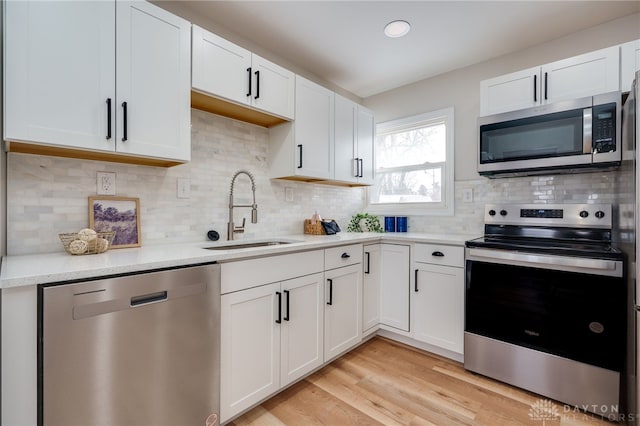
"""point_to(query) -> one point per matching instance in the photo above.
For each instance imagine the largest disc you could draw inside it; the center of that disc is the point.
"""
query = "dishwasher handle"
(144, 299)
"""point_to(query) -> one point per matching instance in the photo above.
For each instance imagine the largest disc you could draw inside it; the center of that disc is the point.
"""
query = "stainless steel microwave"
(573, 135)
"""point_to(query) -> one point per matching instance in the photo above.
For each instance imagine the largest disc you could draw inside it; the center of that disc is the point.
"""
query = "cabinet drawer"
(243, 274)
(439, 254)
(342, 256)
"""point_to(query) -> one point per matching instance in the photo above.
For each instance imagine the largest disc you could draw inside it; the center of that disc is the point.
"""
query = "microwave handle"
(587, 129)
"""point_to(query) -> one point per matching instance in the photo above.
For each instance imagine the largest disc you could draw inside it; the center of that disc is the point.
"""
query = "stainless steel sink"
(249, 245)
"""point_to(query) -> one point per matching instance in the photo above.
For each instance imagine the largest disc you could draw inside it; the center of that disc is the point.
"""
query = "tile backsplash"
(49, 195)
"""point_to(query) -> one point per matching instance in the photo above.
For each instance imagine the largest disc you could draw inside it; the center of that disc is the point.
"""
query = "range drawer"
(439, 254)
(342, 256)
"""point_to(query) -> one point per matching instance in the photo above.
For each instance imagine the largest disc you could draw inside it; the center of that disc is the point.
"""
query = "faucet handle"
(241, 227)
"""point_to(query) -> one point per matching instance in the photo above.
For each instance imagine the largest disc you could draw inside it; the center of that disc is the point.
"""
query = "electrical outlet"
(288, 194)
(106, 183)
(184, 188)
(467, 195)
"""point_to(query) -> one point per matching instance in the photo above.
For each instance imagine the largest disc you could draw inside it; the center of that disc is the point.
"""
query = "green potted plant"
(364, 222)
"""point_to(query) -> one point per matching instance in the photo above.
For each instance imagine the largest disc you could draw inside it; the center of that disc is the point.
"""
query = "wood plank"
(386, 382)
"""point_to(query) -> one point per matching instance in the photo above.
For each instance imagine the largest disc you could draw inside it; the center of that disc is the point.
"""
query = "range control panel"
(570, 215)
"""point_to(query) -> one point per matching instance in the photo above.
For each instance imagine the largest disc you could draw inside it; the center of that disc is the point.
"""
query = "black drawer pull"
(415, 281)
(368, 270)
(345, 255)
(330, 302)
(437, 254)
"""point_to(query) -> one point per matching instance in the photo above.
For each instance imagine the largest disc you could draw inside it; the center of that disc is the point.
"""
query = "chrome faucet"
(231, 228)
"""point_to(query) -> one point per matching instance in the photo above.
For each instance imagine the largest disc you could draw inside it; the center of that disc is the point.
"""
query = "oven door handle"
(563, 263)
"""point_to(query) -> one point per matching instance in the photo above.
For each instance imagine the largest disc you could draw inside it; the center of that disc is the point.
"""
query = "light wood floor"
(386, 383)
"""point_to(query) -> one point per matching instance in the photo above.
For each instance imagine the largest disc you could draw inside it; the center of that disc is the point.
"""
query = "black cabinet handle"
(330, 302)
(300, 152)
(356, 167)
(546, 85)
(345, 255)
(124, 122)
(279, 320)
(415, 281)
(257, 73)
(361, 167)
(368, 270)
(108, 118)
(286, 300)
(249, 72)
(535, 88)
(437, 254)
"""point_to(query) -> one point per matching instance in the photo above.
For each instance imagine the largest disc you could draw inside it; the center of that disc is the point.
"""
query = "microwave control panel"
(604, 128)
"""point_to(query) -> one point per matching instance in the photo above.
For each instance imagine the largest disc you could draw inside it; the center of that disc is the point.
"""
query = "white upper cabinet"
(72, 68)
(303, 149)
(225, 70)
(629, 63)
(153, 103)
(59, 72)
(354, 132)
(584, 75)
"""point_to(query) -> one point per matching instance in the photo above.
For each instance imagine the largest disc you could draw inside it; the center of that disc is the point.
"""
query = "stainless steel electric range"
(545, 303)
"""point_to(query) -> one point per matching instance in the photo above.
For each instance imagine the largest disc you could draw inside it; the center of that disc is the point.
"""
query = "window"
(414, 166)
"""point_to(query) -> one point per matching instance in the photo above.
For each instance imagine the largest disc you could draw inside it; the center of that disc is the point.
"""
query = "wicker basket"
(316, 229)
(93, 246)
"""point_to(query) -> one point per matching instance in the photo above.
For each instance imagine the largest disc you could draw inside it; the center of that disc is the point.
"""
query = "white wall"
(461, 88)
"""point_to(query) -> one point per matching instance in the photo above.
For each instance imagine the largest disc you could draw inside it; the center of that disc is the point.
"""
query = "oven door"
(567, 306)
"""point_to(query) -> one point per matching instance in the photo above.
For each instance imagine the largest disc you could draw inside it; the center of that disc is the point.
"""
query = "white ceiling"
(343, 42)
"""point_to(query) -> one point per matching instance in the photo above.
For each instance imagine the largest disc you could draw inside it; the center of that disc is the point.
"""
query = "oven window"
(551, 135)
(573, 315)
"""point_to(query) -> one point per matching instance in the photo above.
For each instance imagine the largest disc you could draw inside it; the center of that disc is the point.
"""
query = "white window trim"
(446, 208)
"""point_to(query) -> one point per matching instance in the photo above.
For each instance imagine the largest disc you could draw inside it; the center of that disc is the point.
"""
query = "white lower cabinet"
(302, 326)
(371, 287)
(271, 335)
(343, 315)
(438, 296)
(394, 297)
(250, 348)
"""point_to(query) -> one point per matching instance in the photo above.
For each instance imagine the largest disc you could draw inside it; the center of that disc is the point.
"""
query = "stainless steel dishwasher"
(139, 350)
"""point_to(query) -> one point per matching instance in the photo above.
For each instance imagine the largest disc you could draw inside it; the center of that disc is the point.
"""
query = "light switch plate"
(288, 194)
(467, 195)
(184, 188)
(106, 183)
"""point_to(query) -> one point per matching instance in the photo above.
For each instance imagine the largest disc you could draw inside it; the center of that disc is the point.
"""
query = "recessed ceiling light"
(397, 28)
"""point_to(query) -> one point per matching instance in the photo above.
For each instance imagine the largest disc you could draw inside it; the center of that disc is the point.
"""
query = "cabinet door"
(583, 75)
(153, 76)
(59, 71)
(345, 139)
(250, 348)
(221, 68)
(313, 130)
(342, 314)
(510, 92)
(366, 135)
(629, 63)
(302, 325)
(371, 287)
(394, 310)
(274, 90)
(438, 306)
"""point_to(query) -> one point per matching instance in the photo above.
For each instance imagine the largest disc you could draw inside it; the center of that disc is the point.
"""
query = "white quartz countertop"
(33, 269)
